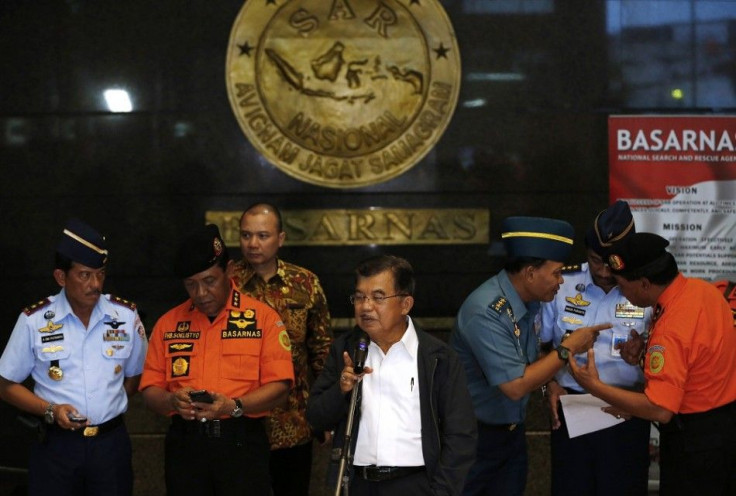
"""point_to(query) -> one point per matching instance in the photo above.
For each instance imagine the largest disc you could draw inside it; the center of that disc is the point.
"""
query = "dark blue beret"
(637, 252)
(82, 244)
(202, 248)
(538, 237)
(610, 225)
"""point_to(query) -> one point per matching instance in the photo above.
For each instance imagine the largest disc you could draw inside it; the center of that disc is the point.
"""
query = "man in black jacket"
(414, 431)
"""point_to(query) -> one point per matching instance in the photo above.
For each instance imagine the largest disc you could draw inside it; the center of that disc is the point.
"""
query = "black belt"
(498, 427)
(213, 428)
(377, 474)
(94, 430)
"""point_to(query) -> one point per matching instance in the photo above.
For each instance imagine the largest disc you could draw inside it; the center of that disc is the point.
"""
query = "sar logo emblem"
(343, 93)
(656, 362)
(284, 340)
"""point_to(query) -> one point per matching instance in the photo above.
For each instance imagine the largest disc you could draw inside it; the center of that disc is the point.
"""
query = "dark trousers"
(69, 464)
(698, 453)
(501, 463)
(416, 484)
(202, 462)
(290, 469)
(609, 462)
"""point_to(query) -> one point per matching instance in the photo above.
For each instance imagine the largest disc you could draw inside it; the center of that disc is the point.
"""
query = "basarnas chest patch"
(241, 325)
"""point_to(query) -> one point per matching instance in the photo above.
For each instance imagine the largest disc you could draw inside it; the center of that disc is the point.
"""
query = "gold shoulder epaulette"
(31, 309)
(567, 269)
(498, 304)
(123, 302)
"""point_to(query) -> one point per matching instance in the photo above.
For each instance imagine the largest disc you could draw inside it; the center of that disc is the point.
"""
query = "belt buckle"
(213, 428)
(91, 431)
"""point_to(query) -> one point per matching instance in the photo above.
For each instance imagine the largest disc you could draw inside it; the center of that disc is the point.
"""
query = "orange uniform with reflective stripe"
(690, 364)
(245, 347)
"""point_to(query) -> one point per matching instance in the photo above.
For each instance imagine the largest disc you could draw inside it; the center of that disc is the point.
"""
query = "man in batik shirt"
(295, 293)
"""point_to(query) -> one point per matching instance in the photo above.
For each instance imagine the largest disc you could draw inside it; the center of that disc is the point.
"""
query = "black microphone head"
(361, 353)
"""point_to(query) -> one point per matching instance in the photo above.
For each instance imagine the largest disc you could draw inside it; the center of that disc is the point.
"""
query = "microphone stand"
(346, 458)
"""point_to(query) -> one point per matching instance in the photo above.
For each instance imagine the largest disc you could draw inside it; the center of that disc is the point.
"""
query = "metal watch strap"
(48, 414)
(238, 411)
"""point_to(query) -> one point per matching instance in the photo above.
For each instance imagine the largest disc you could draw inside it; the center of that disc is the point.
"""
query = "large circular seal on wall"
(343, 93)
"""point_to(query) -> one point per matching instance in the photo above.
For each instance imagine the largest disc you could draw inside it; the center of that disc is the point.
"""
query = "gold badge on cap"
(55, 373)
(217, 247)
(616, 262)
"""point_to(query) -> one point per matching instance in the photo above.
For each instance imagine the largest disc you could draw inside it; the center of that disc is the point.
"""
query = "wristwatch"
(48, 414)
(238, 411)
(563, 353)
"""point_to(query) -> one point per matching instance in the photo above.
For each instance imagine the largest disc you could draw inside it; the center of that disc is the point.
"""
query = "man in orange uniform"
(689, 368)
(238, 351)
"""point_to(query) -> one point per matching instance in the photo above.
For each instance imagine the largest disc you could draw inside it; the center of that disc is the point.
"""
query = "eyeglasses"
(356, 299)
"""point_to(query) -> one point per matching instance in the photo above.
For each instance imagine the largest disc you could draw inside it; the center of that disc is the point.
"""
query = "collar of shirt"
(250, 275)
(102, 309)
(408, 342)
(677, 285)
(518, 307)
(410, 339)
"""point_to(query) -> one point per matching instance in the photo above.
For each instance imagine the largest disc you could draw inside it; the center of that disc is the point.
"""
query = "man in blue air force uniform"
(85, 352)
(612, 461)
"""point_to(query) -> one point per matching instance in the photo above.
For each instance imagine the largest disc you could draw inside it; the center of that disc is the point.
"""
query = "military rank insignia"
(498, 305)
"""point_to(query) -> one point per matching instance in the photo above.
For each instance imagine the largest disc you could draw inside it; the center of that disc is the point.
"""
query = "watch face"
(563, 353)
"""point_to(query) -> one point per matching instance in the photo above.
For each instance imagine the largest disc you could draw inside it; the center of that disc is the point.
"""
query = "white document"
(583, 414)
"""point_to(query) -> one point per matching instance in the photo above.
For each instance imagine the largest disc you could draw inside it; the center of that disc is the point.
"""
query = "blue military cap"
(202, 248)
(82, 244)
(538, 237)
(610, 225)
(640, 253)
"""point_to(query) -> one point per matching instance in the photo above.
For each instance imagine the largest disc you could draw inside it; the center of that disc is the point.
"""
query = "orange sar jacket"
(245, 347)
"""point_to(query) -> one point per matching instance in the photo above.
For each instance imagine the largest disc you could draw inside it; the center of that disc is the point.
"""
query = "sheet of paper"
(583, 414)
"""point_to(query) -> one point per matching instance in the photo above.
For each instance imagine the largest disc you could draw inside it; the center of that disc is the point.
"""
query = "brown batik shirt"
(296, 294)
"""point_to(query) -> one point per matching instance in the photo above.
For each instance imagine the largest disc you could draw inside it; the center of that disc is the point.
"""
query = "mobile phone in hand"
(77, 418)
(201, 396)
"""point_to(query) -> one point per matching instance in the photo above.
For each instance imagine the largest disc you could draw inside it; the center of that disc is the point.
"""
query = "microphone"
(361, 353)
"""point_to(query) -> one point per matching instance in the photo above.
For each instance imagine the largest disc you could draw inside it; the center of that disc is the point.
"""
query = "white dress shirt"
(390, 432)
